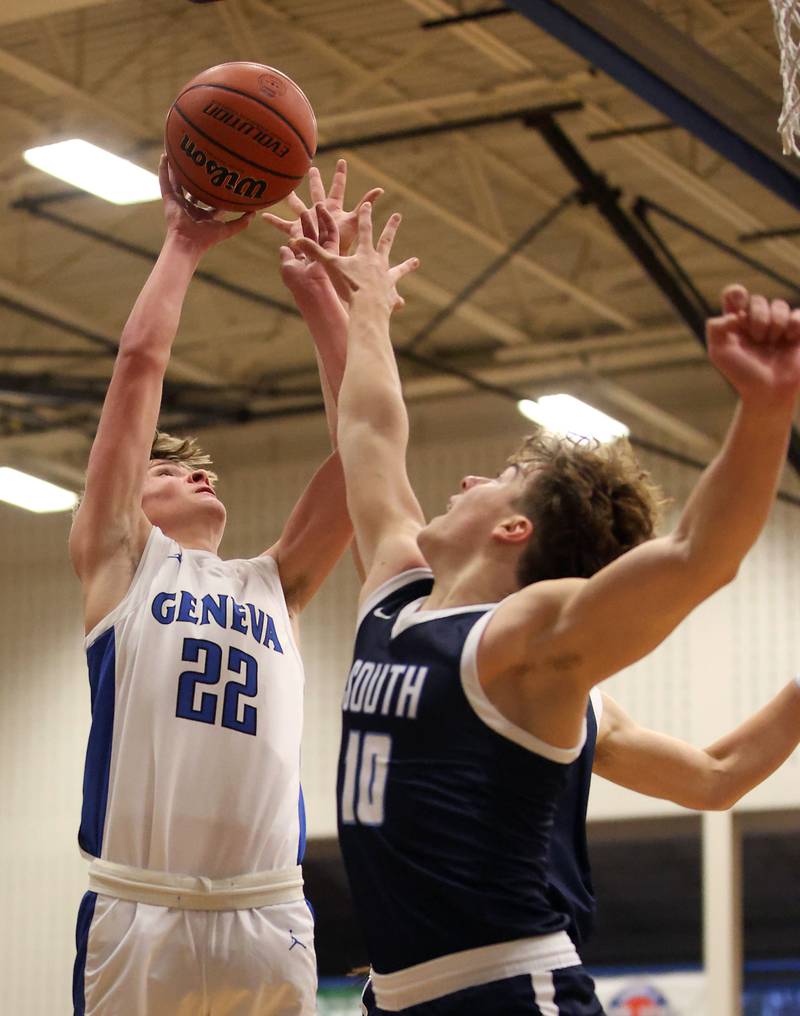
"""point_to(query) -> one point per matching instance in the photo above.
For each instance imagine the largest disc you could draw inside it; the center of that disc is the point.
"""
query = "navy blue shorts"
(573, 995)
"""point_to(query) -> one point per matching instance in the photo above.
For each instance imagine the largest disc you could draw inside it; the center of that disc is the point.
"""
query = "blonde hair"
(185, 450)
(173, 449)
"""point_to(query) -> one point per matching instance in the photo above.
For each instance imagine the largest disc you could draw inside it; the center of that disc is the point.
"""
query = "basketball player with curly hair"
(193, 816)
(480, 640)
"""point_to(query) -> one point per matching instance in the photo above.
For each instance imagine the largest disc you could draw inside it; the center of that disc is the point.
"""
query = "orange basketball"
(240, 136)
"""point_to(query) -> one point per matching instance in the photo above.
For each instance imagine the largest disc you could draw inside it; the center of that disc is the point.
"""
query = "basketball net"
(787, 32)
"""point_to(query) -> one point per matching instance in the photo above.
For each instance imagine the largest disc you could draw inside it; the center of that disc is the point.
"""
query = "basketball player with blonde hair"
(193, 814)
(479, 643)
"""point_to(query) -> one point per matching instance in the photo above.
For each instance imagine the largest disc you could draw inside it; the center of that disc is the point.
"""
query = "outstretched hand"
(755, 344)
(367, 270)
(199, 228)
(332, 201)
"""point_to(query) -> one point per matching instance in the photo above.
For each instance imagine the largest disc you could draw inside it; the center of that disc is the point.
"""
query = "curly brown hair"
(589, 503)
(185, 450)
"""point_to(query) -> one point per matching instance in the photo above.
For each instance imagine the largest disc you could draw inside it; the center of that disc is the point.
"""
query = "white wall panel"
(44, 719)
(722, 664)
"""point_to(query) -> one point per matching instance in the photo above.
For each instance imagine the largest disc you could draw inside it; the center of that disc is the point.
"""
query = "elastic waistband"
(456, 971)
(194, 892)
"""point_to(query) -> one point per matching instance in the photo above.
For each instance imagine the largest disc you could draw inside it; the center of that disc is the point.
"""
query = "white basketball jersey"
(193, 762)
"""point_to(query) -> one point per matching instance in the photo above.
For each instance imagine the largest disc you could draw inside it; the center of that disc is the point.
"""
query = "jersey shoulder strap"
(397, 591)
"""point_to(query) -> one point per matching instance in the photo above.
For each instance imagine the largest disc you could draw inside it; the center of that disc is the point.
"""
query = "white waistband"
(194, 892)
(447, 974)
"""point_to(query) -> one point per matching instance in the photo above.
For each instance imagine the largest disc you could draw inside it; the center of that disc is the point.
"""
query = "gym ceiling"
(518, 158)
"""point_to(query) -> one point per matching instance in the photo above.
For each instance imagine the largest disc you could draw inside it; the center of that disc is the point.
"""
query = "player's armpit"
(106, 582)
(315, 535)
(528, 681)
(395, 553)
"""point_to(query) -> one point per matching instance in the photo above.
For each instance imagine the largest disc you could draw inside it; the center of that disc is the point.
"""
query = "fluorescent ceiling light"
(91, 168)
(36, 495)
(568, 416)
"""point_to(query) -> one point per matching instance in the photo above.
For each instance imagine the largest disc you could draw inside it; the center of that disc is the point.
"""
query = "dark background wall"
(648, 888)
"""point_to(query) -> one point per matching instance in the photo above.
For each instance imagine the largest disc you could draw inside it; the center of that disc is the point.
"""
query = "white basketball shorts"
(138, 959)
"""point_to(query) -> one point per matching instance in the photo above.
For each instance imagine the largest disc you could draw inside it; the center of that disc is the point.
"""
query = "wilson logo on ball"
(248, 128)
(240, 136)
(221, 176)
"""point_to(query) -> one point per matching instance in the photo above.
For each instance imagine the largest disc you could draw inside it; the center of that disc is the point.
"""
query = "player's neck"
(476, 581)
(195, 536)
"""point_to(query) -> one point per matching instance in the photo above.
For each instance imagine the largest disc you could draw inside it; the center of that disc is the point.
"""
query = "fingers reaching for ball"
(196, 227)
(386, 239)
(286, 226)
(328, 230)
(332, 201)
(367, 271)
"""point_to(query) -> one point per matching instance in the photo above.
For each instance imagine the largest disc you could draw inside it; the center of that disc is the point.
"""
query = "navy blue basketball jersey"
(570, 888)
(445, 808)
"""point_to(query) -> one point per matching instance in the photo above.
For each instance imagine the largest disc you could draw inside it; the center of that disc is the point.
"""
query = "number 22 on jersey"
(206, 709)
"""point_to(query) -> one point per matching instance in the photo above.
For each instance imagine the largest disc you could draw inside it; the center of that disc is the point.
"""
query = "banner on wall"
(340, 997)
(671, 994)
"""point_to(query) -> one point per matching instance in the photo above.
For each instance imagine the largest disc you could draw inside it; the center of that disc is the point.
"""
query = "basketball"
(240, 136)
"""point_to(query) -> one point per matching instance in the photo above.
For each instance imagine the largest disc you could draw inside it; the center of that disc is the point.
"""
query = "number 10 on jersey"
(366, 768)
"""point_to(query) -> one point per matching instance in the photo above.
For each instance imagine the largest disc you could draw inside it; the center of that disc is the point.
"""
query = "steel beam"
(21, 10)
(605, 199)
(698, 190)
(34, 208)
(531, 267)
(491, 270)
(634, 45)
(674, 285)
(459, 19)
(644, 206)
(446, 127)
(505, 56)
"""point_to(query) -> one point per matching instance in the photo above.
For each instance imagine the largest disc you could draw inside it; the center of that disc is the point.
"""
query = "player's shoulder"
(114, 583)
(538, 605)
(395, 558)
(523, 625)
(93, 546)
(395, 591)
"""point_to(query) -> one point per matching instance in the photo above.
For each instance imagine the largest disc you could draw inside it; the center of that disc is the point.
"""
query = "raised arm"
(373, 423)
(323, 312)
(110, 529)
(644, 594)
(707, 779)
(576, 632)
(319, 529)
